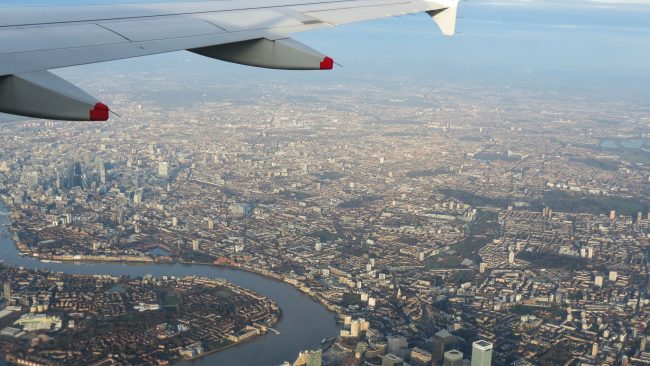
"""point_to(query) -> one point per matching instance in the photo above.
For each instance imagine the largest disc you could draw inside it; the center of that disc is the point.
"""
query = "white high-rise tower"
(482, 353)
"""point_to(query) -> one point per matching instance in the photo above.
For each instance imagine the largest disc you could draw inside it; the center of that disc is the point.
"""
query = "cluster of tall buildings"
(445, 352)
(412, 216)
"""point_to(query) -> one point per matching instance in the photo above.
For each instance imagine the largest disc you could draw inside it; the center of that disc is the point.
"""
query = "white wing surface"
(251, 32)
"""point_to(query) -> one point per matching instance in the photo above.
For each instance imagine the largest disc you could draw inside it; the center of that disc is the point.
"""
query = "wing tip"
(99, 113)
(445, 17)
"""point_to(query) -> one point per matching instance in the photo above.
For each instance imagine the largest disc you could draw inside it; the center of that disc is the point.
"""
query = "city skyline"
(395, 214)
(477, 200)
(593, 49)
(536, 47)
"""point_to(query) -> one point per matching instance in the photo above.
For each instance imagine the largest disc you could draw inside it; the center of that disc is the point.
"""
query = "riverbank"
(302, 325)
(131, 259)
(155, 320)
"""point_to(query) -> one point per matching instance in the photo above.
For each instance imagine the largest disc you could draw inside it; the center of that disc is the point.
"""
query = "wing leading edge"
(250, 32)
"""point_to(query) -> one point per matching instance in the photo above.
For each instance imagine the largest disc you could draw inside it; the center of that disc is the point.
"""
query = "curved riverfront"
(303, 325)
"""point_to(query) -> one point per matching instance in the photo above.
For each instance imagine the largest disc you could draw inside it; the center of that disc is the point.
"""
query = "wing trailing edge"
(249, 32)
(283, 54)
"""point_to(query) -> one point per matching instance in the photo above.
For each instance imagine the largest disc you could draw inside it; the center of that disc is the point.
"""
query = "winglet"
(446, 17)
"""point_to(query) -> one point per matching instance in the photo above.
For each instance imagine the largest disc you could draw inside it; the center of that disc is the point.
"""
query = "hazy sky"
(599, 46)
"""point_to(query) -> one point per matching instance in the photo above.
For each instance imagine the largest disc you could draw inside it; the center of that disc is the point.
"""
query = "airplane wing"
(251, 32)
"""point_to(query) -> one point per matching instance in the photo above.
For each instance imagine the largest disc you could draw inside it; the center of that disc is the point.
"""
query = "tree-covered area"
(543, 312)
(552, 260)
(358, 202)
(474, 199)
(490, 156)
(610, 165)
(556, 355)
(331, 175)
(428, 172)
(324, 235)
(481, 231)
(561, 201)
(351, 299)
(199, 257)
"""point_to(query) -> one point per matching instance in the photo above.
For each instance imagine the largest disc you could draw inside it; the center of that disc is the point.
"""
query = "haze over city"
(599, 48)
(481, 199)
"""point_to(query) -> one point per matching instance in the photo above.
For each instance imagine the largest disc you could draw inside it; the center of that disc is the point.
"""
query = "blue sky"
(585, 46)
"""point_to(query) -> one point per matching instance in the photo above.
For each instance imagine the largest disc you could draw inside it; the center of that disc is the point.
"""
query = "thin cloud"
(618, 4)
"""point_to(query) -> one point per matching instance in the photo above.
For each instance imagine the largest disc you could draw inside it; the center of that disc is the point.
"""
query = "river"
(303, 325)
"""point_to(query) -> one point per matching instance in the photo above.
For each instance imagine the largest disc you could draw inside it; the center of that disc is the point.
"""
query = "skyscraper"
(32, 179)
(453, 358)
(163, 169)
(76, 176)
(598, 281)
(99, 163)
(397, 345)
(613, 276)
(240, 209)
(137, 196)
(442, 341)
(354, 328)
(7, 290)
(101, 169)
(482, 353)
(391, 360)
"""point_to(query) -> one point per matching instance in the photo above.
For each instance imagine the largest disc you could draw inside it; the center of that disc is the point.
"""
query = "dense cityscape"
(174, 317)
(450, 226)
